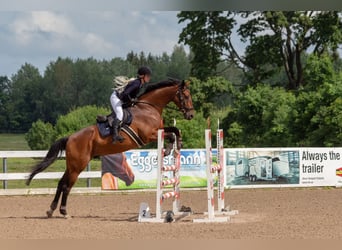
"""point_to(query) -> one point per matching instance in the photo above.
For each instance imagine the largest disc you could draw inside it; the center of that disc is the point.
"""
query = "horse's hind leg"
(69, 182)
(54, 203)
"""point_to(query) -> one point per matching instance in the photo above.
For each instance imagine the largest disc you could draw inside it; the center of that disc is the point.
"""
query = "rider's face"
(147, 78)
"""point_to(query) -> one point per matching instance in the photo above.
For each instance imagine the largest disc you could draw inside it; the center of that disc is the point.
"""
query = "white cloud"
(49, 22)
(96, 44)
(40, 23)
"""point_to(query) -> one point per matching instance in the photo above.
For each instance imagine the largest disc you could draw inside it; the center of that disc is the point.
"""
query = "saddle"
(104, 122)
(104, 125)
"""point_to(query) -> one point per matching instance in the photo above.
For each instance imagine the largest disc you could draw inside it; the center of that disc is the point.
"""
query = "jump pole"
(211, 169)
(162, 182)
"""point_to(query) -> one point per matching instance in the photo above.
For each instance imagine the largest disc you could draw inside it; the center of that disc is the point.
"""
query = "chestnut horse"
(87, 143)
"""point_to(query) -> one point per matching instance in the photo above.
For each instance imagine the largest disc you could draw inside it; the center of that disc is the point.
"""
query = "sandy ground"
(310, 213)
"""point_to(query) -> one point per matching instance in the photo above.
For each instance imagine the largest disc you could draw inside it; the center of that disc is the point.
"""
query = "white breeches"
(116, 105)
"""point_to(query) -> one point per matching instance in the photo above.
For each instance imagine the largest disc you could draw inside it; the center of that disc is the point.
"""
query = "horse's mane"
(148, 87)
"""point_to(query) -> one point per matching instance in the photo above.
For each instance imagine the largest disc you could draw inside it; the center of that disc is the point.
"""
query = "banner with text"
(283, 167)
(144, 166)
(245, 167)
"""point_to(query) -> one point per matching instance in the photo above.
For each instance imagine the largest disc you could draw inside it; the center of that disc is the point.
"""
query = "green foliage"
(40, 136)
(192, 131)
(4, 102)
(275, 40)
(206, 33)
(77, 119)
(68, 83)
(290, 78)
(25, 106)
(234, 138)
(318, 71)
(260, 117)
(179, 66)
(318, 120)
(211, 94)
(272, 116)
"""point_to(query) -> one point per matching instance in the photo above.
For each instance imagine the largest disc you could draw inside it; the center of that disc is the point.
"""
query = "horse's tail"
(50, 157)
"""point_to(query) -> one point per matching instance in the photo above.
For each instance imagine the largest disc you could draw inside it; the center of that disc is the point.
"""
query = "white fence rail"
(5, 176)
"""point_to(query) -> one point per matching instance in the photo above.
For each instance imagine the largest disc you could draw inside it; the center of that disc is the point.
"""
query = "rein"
(181, 98)
(157, 106)
(147, 103)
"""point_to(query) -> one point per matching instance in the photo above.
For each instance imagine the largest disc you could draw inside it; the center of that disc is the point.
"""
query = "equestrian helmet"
(144, 71)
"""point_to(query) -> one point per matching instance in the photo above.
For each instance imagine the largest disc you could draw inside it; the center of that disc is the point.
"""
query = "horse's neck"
(160, 97)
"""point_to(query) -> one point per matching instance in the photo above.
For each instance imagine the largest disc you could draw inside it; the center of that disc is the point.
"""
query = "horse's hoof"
(66, 216)
(49, 213)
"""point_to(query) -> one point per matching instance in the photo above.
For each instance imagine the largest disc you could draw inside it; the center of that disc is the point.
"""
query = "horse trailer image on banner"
(280, 167)
(241, 167)
(261, 168)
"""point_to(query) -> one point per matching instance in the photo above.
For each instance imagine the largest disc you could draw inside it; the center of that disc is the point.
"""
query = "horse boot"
(116, 131)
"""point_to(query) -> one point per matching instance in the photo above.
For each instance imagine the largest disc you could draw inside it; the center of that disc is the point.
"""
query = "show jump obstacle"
(162, 182)
(211, 170)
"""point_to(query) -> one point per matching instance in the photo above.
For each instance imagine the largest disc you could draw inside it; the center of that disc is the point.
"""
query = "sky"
(40, 33)
(39, 37)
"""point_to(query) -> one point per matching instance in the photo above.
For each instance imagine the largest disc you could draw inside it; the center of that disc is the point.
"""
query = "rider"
(129, 93)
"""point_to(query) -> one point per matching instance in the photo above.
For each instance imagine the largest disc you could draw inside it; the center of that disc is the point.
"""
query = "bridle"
(181, 88)
(179, 93)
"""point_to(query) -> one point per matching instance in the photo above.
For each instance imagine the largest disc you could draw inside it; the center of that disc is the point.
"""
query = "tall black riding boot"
(116, 131)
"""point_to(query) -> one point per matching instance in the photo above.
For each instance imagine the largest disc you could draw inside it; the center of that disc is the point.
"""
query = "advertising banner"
(245, 168)
(250, 167)
(262, 166)
(143, 163)
(318, 166)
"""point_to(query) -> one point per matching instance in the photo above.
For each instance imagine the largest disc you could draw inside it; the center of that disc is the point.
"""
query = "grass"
(13, 142)
(24, 165)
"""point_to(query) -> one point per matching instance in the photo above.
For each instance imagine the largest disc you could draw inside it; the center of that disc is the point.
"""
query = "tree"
(261, 117)
(211, 95)
(4, 102)
(274, 40)
(77, 119)
(26, 100)
(318, 121)
(58, 96)
(179, 64)
(206, 33)
(40, 136)
(192, 131)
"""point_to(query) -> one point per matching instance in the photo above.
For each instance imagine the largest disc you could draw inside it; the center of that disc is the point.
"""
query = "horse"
(87, 143)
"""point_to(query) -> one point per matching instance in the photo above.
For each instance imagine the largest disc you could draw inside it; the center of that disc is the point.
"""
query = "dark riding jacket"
(131, 90)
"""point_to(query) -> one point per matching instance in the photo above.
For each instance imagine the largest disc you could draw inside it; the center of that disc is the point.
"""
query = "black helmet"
(144, 71)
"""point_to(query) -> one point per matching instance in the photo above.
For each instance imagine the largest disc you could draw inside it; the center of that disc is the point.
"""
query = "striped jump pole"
(212, 169)
(162, 182)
